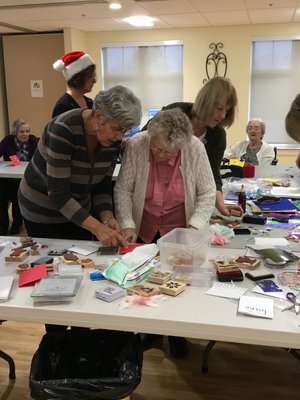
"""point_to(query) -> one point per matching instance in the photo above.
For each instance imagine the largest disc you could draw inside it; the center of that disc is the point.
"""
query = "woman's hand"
(129, 235)
(113, 224)
(226, 210)
(109, 236)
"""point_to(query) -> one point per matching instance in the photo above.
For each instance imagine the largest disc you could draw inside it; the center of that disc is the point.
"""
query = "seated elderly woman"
(253, 151)
(165, 182)
(22, 143)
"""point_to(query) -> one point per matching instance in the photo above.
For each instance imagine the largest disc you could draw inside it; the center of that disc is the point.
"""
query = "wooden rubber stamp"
(18, 254)
(143, 289)
(88, 263)
(172, 288)
(159, 277)
(247, 262)
(70, 258)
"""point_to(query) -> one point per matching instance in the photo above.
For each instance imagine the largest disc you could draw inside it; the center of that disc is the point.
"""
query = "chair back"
(275, 160)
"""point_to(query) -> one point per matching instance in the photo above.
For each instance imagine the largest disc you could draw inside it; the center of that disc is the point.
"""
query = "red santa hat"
(72, 63)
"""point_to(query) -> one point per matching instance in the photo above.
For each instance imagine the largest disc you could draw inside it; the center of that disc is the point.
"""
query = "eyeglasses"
(118, 130)
(167, 153)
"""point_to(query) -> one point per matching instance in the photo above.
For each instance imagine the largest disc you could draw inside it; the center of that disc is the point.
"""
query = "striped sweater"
(62, 181)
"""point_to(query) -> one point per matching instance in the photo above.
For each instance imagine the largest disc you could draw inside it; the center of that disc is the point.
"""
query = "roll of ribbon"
(249, 171)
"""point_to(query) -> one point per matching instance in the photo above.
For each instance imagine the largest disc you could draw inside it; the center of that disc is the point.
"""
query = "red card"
(15, 160)
(129, 248)
(32, 275)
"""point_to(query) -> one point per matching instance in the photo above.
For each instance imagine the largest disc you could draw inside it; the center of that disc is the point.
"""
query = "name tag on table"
(256, 306)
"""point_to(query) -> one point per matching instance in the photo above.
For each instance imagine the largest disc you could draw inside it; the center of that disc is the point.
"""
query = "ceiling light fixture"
(140, 21)
(115, 6)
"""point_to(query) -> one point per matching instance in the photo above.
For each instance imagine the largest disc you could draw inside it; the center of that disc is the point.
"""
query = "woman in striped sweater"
(66, 189)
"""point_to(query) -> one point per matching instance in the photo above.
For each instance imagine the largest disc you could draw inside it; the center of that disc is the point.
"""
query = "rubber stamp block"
(182, 259)
(26, 241)
(172, 288)
(235, 213)
(159, 277)
(247, 262)
(143, 289)
(88, 263)
(187, 279)
(23, 267)
(18, 254)
(34, 250)
(224, 266)
(70, 258)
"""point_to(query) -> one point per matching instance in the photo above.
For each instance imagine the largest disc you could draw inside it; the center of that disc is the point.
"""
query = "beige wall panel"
(26, 58)
(237, 42)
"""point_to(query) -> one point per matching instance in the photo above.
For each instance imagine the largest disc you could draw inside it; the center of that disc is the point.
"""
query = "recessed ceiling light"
(140, 21)
(115, 6)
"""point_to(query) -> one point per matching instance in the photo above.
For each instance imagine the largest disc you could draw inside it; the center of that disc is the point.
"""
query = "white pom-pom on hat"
(59, 65)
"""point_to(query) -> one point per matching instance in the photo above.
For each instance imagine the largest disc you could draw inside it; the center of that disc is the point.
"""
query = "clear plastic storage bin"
(184, 249)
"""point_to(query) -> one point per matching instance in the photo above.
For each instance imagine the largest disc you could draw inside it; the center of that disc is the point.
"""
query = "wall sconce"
(216, 62)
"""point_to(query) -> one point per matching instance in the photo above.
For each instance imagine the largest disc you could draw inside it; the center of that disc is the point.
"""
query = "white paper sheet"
(228, 290)
(5, 286)
(271, 241)
(88, 249)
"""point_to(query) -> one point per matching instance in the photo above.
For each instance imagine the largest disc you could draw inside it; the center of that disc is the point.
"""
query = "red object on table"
(249, 171)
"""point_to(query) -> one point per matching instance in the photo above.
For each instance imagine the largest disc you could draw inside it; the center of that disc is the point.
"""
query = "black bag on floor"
(86, 364)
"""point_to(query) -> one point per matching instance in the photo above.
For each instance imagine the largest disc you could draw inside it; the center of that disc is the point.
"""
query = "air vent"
(54, 3)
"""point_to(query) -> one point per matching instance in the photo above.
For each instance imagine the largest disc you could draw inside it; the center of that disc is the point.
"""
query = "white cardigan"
(130, 188)
(264, 156)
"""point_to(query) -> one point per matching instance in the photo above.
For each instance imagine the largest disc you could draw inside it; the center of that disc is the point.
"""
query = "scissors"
(295, 300)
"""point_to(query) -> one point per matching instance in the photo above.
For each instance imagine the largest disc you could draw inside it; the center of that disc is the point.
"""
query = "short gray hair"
(16, 125)
(259, 120)
(119, 104)
(173, 126)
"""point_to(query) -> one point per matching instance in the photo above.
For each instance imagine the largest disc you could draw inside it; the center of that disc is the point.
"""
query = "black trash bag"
(86, 364)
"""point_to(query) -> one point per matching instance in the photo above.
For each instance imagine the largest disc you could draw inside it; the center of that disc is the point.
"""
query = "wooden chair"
(11, 363)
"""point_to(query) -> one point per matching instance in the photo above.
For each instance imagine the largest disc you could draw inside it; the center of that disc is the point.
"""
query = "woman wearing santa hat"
(78, 69)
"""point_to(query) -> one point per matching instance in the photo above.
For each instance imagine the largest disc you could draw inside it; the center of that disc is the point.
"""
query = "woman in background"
(214, 108)
(78, 69)
(22, 144)
(254, 151)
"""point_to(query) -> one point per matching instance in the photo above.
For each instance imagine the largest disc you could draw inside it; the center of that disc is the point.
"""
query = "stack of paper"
(5, 287)
(228, 290)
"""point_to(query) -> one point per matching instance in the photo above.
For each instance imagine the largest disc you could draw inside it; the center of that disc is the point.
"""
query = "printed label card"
(256, 306)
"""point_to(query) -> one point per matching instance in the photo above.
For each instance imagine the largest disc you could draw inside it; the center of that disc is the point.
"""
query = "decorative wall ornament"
(216, 62)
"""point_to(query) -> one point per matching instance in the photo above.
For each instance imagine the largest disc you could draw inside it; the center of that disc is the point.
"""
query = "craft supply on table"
(242, 198)
(109, 293)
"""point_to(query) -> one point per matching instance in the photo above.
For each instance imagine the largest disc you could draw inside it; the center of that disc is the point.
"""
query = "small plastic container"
(184, 249)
